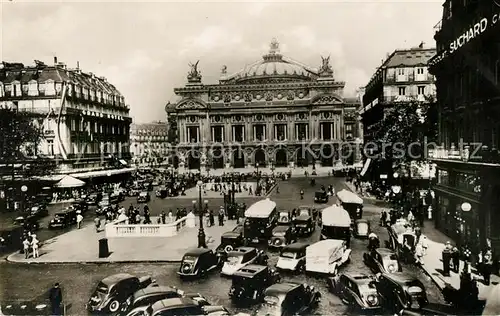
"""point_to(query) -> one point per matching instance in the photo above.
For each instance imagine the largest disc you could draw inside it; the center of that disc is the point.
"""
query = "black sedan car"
(282, 235)
(289, 299)
(398, 291)
(182, 306)
(63, 219)
(152, 294)
(39, 211)
(198, 262)
(114, 290)
(321, 197)
(357, 290)
(304, 222)
(229, 241)
(250, 282)
(382, 260)
(143, 197)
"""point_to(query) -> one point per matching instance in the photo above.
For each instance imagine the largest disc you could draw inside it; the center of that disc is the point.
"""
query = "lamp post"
(23, 193)
(202, 243)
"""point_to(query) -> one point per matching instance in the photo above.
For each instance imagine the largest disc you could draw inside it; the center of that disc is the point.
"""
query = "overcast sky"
(144, 48)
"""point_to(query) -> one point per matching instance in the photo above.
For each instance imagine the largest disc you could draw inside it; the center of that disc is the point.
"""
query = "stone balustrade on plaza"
(123, 230)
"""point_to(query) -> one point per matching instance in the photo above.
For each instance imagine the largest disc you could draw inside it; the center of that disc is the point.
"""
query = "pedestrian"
(419, 253)
(207, 218)
(487, 265)
(170, 217)
(26, 247)
(211, 218)
(163, 217)
(97, 223)
(79, 219)
(302, 194)
(425, 245)
(34, 245)
(383, 218)
(455, 260)
(55, 298)
(221, 216)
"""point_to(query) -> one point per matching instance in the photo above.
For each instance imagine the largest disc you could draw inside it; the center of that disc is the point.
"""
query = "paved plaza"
(82, 245)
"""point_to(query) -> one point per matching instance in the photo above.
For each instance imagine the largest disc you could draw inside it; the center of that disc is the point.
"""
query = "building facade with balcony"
(149, 143)
(275, 112)
(467, 70)
(402, 77)
(84, 118)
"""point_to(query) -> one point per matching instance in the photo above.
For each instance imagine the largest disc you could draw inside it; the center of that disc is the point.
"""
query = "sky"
(144, 48)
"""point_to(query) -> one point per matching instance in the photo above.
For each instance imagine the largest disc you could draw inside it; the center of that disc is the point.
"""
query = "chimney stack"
(77, 65)
(55, 60)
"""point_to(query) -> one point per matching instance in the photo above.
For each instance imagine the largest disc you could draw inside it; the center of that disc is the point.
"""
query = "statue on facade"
(194, 74)
(223, 70)
(274, 47)
(325, 64)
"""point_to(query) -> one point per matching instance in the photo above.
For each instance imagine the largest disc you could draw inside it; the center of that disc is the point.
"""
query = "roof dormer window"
(50, 87)
(33, 88)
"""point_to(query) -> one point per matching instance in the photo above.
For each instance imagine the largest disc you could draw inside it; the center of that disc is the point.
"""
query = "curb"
(271, 191)
(7, 259)
(434, 279)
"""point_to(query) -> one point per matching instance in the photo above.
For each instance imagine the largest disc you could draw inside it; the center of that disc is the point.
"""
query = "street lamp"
(466, 207)
(23, 190)
(202, 243)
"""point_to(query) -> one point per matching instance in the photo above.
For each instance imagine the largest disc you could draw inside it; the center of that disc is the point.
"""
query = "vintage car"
(403, 240)
(356, 290)
(229, 241)
(114, 290)
(198, 262)
(293, 257)
(105, 202)
(93, 198)
(143, 197)
(321, 197)
(63, 219)
(39, 211)
(80, 205)
(241, 257)
(287, 299)
(398, 292)
(313, 211)
(382, 260)
(249, 283)
(304, 222)
(326, 256)
(260, 220)
(181, 306)
(361, 228)
(335, 224)
(134, 191)
(152, 294)
(282, 235)
(161, 192)
(352, 203)
(29, 222)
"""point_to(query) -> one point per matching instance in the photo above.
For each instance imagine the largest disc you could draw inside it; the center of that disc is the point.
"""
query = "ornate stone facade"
(275, 112)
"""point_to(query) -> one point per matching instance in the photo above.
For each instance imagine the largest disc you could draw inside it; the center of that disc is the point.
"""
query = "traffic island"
(83, 246)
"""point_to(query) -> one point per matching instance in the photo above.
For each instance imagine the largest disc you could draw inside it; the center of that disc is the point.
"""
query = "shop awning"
(69, 182)
(102, 173)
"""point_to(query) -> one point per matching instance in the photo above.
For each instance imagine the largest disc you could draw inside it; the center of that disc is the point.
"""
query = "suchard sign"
(473, 32)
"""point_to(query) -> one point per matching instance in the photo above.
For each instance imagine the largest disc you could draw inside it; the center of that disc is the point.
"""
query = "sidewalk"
(82, 245)
(433, 265)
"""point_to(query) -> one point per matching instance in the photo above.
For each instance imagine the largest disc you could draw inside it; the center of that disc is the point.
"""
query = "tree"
(405, 131)
(19, 141)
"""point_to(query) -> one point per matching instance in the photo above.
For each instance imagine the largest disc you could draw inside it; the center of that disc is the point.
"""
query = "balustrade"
(119, 229)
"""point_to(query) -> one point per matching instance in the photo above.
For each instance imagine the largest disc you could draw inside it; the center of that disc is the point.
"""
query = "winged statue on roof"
(325, 64)
(194, 72)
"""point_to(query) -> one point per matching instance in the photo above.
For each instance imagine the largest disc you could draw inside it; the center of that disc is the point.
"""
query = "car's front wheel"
(114, 306)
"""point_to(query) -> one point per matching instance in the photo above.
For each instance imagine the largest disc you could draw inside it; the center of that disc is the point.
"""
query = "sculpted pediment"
(327, 99)
(191, 104)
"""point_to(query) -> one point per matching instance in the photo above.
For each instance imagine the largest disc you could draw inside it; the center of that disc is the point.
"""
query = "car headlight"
(372, 299)
(391, 268)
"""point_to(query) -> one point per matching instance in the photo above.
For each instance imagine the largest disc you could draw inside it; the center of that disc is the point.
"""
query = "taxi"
(293, 257)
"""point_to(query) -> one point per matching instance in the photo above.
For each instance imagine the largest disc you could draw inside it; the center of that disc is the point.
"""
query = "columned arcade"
(274, 112)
